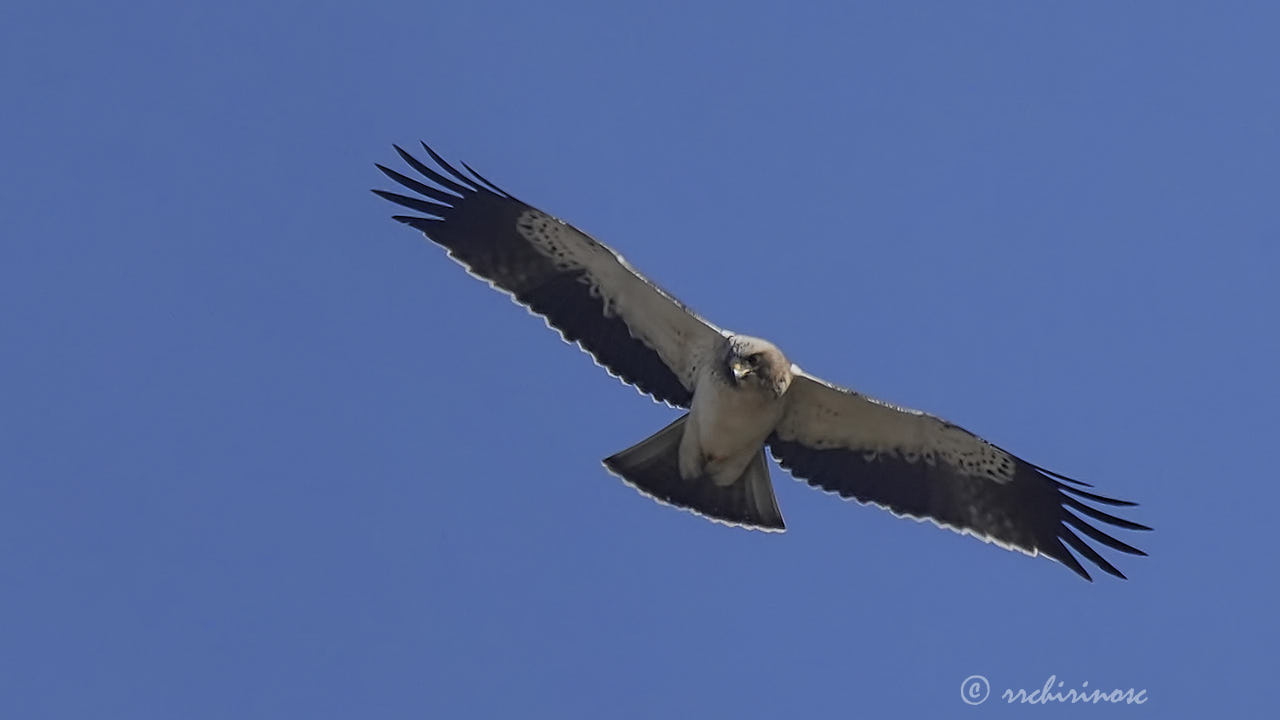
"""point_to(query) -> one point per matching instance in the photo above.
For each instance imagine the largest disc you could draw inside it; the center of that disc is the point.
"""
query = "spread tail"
(652, 466)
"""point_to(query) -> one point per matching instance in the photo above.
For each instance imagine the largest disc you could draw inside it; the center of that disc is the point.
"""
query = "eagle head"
(759, 363)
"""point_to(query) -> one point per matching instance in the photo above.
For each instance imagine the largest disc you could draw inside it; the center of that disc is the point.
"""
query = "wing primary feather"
(1099, 515)
(441, 162)
(414, 185)
(1092, 555)
(1056, 550)
(1098, 536)
(1095, 497)
(431, 174)
(1059, 476)
(413, 203)
(485, 180)
(418, 223)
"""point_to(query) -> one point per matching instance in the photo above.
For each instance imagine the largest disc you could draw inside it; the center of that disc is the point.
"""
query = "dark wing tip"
(1097, 535)
(1070, 498)
(1096, 514)
(442, 163)
(1089, 553)
(461, 189)
(485, 180)
(1059, 552)
(1095, 497)
(1053, 474)
(421, 206)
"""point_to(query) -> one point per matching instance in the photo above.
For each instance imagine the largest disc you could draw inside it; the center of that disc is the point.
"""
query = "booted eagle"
(743, 394)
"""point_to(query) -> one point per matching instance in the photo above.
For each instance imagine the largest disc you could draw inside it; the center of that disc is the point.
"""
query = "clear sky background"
(266, 453)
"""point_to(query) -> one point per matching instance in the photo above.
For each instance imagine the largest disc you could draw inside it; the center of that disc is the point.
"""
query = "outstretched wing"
(584, 289)
(923, 467)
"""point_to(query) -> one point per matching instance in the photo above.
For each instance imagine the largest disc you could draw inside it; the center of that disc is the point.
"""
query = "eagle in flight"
(742, 394)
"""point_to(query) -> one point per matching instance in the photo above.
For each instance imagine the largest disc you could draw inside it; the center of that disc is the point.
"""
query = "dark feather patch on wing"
(1029, 512)
(475, 222)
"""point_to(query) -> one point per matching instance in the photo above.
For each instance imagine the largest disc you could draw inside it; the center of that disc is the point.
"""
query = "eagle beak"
(740, 369)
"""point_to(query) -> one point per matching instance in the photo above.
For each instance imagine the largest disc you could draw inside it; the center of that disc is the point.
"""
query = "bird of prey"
(743, 394)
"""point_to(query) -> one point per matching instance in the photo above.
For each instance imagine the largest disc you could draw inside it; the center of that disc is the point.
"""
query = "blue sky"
(267, 453)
